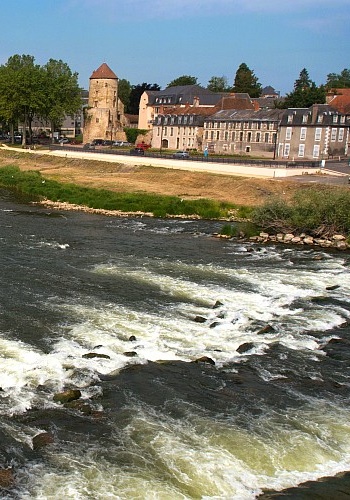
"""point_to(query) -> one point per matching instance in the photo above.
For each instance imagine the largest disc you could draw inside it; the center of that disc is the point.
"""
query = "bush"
(320, 212)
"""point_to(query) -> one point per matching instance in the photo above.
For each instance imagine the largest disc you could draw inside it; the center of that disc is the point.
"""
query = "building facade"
(235, 131)
(314, 133)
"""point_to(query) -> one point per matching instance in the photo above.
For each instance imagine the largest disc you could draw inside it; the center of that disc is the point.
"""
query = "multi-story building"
(181, 127)
(316, 133)
(154, 102)
(243, 131)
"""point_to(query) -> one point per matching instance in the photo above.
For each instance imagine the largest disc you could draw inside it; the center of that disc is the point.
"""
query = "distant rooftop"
(104, 72)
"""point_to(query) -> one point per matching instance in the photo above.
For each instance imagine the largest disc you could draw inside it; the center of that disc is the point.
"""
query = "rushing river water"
(272, 412)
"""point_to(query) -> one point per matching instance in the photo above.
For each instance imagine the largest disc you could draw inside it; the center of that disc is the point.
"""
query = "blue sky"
(155, 41)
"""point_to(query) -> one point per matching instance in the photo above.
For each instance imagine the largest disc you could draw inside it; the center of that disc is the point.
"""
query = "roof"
(340, 100)
(249, 114)
(182, 94)
(104, 72)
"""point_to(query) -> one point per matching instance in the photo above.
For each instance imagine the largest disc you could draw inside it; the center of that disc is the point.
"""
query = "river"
(144, 299)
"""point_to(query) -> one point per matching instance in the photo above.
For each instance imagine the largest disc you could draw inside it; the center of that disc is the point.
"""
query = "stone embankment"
(337, 241)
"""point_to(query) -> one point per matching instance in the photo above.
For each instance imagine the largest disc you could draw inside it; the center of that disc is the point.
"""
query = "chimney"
(195, 102)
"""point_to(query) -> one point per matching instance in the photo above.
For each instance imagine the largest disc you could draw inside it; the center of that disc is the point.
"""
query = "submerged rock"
(91, 355)
(67, 396)
(7, 478)
(205, 359)
(42, 439)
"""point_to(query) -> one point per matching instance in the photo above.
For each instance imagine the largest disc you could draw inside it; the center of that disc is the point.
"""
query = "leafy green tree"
(246, 81)
(20, 84)
(338, 81)
(135, 95)
(124, 90)
(218, 84)
(133, 133)
(62, 94)
(305, 93)
(183, 80)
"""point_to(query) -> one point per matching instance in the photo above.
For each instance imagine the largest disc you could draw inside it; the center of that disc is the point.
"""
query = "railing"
(210, 159)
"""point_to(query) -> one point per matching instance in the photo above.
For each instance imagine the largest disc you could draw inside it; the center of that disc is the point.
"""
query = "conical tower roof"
(104, 72)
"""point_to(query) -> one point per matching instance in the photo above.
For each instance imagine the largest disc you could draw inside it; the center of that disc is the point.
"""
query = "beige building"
(104, 115)
(314, 133)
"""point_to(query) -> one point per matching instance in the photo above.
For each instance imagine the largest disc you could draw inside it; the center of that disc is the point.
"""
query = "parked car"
(121, 143)
(89, 146)
(108, 143)
(137, 151)
(181, 154)
(64, 140)
(98, 142)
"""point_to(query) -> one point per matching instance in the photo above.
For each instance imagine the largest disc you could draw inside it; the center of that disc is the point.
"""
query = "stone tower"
(104, 117)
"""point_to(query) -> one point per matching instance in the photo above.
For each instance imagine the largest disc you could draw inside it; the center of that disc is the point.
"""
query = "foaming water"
(95, 304)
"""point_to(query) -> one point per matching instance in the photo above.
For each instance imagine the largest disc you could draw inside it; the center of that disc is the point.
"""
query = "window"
(335, 118)
(158, 131)
(233, 136)
(341, 135)
(97, 120)
(290, 118)
(271, 126)
(301, 150)
(288, 133)
(171, 131)
(257, 137)
(342, 119)
(286, 150)
(316, 152)
(303, 133)
(206, 134)
(185, 119)
(304, 118)
(249, 136)
(217, 135)
(267, 137)
(320, 119)
(226, 136)
(334, 135)
(212, 134)
(191, 119)
(241, 136)
(318, 133)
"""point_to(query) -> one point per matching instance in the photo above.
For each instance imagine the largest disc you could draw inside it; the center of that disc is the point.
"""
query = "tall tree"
(246, 81)
(218, 84)
(62, 93)
(135, 95)
(183, 80)
(20, 84)
(338, 81)
(305, 93)
(124, 90)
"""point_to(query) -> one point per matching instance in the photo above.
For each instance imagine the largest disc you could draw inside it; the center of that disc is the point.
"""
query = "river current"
(152, 296)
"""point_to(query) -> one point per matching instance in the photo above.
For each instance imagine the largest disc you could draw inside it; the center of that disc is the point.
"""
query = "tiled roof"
(104, 72)
(341, 100)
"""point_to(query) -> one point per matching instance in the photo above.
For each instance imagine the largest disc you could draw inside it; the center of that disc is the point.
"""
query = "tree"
(135, 95)
(341, 81)
(183, 80)
(124, 90)
(62, 93)
(305, 93)
(218, 84)
(21, 91)
(246, 81)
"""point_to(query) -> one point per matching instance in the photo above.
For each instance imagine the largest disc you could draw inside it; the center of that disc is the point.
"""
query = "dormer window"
(320, 119)
(304, 118)
(335, 119)
(290, 118)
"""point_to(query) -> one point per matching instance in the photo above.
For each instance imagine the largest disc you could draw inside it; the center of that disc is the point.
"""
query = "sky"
(156, 41)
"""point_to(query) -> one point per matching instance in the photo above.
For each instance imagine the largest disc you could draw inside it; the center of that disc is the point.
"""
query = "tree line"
(27, 90)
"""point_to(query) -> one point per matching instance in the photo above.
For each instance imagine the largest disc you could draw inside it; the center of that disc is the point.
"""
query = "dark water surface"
(146, 298)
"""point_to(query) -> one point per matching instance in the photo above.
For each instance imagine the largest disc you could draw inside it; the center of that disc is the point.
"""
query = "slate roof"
(104, 72)
(182, 94)
(248, 114)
